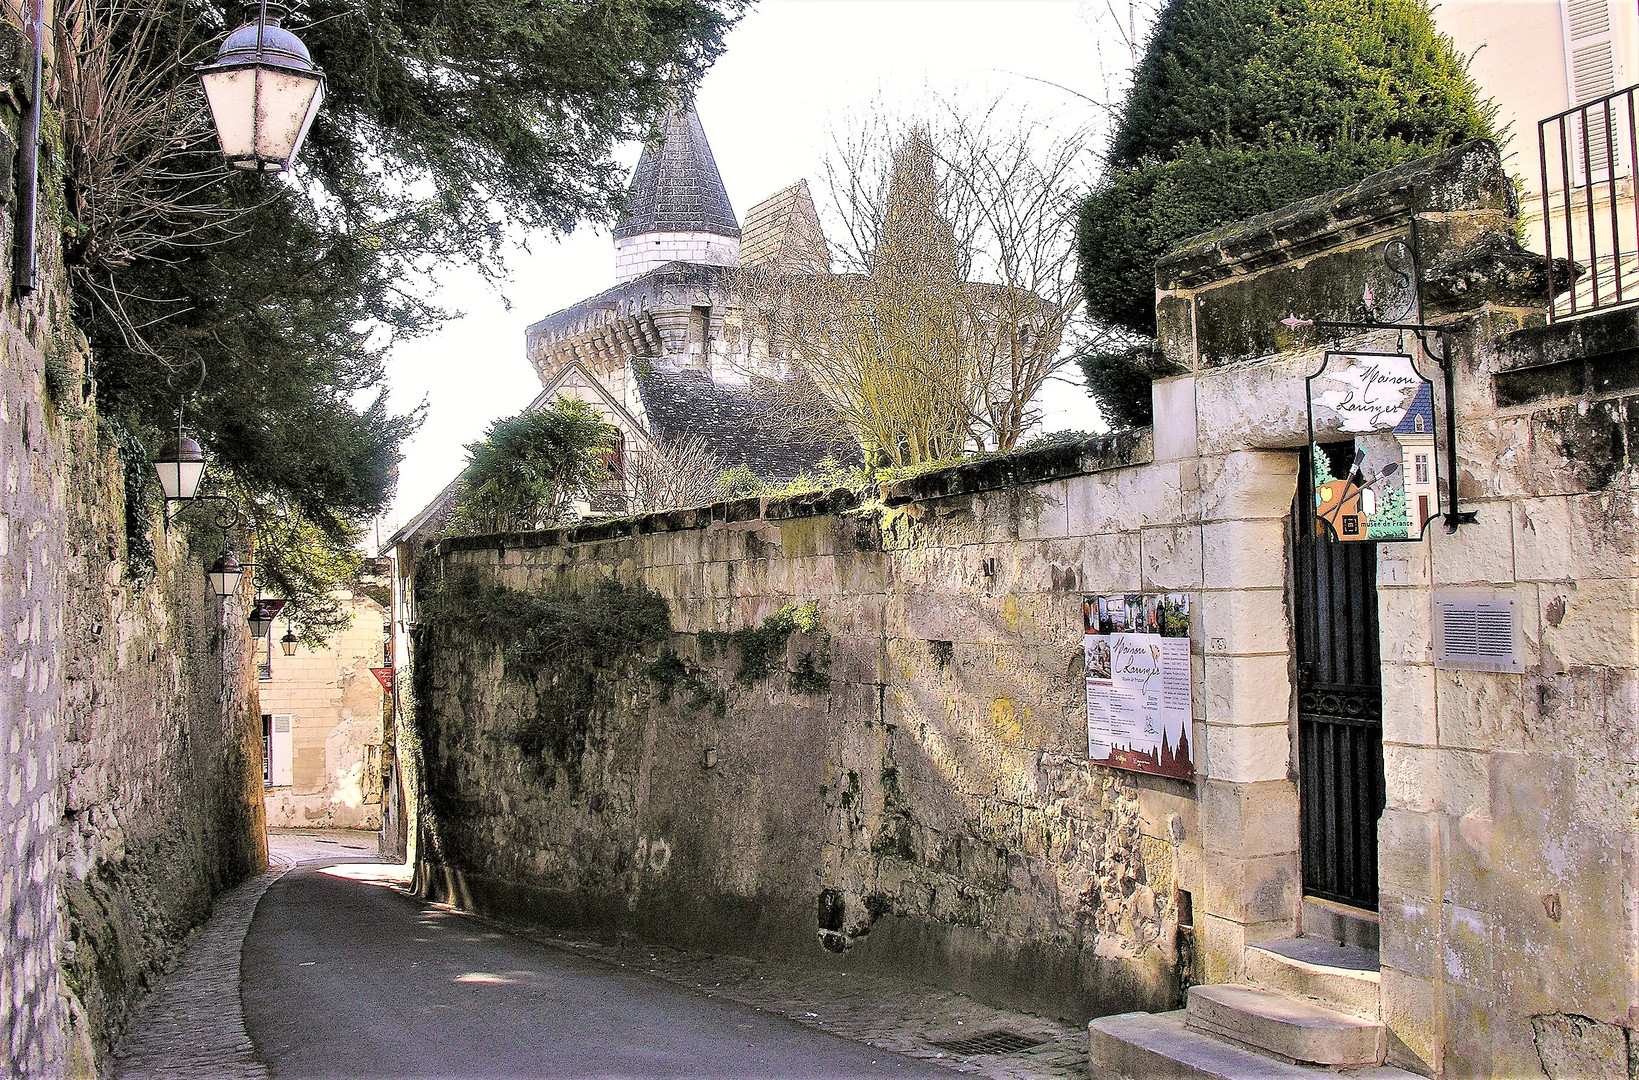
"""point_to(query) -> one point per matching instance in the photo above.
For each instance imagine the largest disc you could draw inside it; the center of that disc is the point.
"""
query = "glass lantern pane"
(225, 583)
(284, 106)
(232, 97)
(180, 479)
(169, 481)
(190, 473)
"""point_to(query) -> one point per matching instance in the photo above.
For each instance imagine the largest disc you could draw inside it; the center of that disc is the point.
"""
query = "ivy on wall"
(576, 649)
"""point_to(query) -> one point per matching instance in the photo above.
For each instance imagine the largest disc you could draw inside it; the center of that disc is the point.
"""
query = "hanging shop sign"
(384, 676)
(1138, 682)
(1371, 434)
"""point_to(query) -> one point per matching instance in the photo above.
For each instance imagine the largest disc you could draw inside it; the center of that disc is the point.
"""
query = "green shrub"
(1243, 106)
(758, 646)
(573, 647)
(529, 468)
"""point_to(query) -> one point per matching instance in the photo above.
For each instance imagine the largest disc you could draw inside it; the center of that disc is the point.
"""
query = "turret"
(677, 209)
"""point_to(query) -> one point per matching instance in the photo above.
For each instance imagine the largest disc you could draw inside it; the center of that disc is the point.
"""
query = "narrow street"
(401, 988)
(342, 973)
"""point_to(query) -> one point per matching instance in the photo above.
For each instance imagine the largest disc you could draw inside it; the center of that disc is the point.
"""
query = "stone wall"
(131, 770)
(925, 806)
(931, 808)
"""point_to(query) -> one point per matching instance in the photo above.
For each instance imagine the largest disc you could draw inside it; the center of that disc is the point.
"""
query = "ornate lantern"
(264, 91)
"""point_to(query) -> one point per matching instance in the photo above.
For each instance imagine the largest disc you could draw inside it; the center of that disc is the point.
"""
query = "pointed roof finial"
(676, 187)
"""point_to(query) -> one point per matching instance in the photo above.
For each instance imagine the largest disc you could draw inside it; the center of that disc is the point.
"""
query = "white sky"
(792, 71)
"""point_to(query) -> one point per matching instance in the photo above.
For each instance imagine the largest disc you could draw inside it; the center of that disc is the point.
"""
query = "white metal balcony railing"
(1589, 214)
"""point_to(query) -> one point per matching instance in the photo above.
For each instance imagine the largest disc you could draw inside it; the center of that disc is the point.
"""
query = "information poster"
(1138, 685)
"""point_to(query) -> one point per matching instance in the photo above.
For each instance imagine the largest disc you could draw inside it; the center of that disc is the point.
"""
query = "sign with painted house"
(1371, 431)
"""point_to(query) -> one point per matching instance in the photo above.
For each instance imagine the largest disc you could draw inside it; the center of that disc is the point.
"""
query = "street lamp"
(264, 91)
(261, 617)
(181, 466)
(224, 574)
(289, 641)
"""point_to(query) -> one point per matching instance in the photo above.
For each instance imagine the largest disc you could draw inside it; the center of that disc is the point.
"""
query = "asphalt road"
(342, 977)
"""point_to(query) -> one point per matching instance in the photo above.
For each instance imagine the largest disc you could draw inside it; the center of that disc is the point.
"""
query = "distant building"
(1537, 58)
(322, 726)
(665, 354)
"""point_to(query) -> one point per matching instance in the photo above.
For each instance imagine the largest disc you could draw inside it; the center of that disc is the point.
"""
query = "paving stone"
(192, 1025)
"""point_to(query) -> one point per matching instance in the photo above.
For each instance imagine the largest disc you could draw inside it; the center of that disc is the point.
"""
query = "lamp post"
(264, 91)
(288, 643)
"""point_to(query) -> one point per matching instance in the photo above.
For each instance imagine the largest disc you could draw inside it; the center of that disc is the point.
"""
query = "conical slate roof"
(676, 187)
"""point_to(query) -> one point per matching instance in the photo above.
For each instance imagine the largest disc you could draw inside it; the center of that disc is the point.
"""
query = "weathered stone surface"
(1286, 1026)
(1467, 177)
(1605, 339)
(935, 812)
(1494, 269)
(1579, 448)
(1580, 1048)
(129, 733)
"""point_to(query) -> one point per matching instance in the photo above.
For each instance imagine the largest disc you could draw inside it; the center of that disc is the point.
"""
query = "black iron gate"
(1340, 706)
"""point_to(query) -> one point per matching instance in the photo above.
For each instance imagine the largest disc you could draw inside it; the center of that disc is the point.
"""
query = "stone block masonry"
(933, 811)
(129, 757)
(908, 788)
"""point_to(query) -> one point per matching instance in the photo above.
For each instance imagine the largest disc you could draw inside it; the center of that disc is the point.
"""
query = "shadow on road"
(346, 975)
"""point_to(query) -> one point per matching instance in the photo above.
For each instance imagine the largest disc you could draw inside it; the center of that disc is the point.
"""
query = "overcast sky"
(793, 70)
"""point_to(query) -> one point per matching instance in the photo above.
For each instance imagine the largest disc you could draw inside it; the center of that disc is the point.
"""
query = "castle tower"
(677, 209)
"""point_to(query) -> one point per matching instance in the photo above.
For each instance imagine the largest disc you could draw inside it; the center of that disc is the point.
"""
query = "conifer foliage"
(448, 125)
(1242, 106)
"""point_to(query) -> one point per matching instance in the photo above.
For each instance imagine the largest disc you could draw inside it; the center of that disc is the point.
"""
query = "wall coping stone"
(1599, 336)
(1116, 450)
(1468, 176)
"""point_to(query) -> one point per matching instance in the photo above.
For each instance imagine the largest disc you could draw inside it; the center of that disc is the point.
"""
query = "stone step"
(1341, 977)
(1160, 1046)
(1340, 923)
(1285, 1026)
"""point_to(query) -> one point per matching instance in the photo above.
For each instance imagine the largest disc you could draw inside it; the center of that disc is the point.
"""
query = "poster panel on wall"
(1138, 682)
(1371, 435)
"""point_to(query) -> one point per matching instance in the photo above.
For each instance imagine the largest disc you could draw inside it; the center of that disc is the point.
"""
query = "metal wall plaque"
(1138, 682)
(1371, 431)
(1477, 631)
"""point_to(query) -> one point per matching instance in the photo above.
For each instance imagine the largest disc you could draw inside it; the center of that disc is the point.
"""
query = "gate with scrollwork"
(1340, 707)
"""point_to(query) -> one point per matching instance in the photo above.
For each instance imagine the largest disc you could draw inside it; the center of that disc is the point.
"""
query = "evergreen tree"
(529, 469)
(447, 123)
(1242, 106)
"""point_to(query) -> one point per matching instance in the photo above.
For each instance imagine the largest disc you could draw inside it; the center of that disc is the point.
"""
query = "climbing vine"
(570, 646)
(758, 646)
(574, 649)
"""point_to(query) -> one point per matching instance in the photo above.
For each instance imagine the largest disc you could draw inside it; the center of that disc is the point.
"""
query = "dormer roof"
(676, 187)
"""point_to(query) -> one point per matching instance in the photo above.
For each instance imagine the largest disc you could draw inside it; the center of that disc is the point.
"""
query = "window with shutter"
(281, 761)
(1593, 69)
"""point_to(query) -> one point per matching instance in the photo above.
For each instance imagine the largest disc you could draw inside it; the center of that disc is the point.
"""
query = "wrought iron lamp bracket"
(228, 514)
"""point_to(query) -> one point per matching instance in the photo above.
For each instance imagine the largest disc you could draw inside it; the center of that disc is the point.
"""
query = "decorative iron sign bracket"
(1454, 515)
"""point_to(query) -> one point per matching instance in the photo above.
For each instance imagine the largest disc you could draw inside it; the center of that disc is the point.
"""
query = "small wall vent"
(1477, 632)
